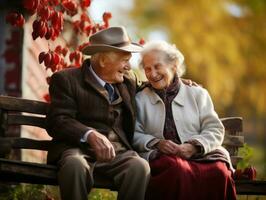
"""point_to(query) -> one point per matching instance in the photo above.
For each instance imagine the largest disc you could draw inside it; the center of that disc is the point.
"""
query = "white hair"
(171, 52)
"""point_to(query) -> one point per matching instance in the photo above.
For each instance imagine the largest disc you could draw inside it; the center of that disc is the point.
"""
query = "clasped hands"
(102, 147)
(168, 147)
(104, 150)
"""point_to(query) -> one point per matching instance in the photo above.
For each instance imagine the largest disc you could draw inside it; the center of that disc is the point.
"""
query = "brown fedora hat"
(111, 39)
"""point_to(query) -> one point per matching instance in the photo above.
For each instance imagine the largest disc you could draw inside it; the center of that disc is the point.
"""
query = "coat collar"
(179, 99)
(92, 82)
(125, 96)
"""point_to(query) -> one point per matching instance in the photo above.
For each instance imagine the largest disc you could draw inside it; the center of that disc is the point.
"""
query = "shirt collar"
(101, 81)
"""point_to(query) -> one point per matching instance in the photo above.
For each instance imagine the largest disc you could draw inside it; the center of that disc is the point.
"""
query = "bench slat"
(23, 105)
(18, 171)
(36, 173)
(17, 119)
(232, 140)
(26, 143)
(246, 187)
(233, 124)
(23, 143)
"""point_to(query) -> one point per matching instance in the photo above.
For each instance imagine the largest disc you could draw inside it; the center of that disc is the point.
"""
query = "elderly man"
(92, 119)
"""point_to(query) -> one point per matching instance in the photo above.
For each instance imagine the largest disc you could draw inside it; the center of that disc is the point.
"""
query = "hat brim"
(97, 48)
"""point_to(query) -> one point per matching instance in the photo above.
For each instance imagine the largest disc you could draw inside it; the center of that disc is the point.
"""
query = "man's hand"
(186, 150)
(103, 148)
(167, 147)
(189, 82)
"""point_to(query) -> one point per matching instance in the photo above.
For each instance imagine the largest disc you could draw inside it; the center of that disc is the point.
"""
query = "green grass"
(41, 192)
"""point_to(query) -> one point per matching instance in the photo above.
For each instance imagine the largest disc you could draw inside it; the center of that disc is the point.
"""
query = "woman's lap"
(175, 178)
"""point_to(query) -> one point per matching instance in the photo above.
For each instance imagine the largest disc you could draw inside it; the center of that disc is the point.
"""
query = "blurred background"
(223, 41)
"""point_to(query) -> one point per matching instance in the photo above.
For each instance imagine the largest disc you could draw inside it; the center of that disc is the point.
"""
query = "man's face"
(116, 64)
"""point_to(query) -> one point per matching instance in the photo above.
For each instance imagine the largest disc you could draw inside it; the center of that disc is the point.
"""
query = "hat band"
(121, 44)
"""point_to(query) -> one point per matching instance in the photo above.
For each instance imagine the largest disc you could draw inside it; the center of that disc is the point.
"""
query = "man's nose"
(128, 66)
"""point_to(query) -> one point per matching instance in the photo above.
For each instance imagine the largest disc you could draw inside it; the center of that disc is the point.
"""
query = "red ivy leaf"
(141, 41)
(85, 3)
(15, 19)
(31, 5)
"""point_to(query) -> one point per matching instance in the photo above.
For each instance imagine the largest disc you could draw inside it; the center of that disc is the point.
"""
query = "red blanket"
(176, 179)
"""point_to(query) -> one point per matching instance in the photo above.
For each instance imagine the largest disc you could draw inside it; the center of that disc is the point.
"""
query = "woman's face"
(158, 71)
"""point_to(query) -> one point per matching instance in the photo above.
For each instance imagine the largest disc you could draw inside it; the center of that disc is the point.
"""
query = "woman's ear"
(174, 68)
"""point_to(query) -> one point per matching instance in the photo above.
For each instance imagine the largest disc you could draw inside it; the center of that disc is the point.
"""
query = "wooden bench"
(16, 111)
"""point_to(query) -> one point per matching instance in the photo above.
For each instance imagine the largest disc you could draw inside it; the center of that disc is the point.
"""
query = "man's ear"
(103, 60)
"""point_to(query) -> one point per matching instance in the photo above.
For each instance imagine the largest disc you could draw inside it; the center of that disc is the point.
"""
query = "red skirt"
(173, 178)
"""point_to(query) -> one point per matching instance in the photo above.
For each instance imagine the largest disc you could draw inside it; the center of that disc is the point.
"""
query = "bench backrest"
(234, 138)
(16, 111)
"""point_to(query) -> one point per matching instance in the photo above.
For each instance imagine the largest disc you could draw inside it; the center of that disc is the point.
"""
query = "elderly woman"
(179, 132)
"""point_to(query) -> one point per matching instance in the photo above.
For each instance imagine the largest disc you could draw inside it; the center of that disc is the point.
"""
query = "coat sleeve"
(141, 138)
(61, 119)
(211, 128)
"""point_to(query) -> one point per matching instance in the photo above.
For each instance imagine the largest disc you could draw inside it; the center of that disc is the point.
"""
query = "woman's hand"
(186, 150)
(167, 147)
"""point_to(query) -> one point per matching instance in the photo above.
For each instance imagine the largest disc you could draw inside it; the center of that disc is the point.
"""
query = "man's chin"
(120, 79)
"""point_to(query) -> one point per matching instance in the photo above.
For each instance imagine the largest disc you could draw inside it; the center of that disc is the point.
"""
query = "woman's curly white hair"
(171, 52)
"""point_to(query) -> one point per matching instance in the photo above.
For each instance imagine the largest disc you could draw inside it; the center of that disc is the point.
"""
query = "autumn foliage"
(49, 17)
(15, 19)
(249, 173)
